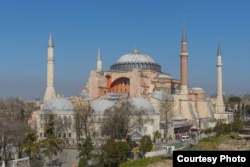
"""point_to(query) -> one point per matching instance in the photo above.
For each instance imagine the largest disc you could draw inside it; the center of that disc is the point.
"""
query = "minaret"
(184, 64)
(220, 107)
(50, 90)
(99, 61)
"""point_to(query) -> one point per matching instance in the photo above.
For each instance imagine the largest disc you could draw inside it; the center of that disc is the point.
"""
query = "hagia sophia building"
(137, 77)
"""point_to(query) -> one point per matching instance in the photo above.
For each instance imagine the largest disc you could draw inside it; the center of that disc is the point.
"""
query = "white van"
(185, 138)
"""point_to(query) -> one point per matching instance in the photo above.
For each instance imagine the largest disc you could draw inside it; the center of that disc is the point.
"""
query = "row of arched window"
(131, 66)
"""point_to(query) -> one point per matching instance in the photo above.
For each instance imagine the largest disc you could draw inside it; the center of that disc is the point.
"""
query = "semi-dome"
(136, 60)
(142, 105)
(58, 105)
(100, 105)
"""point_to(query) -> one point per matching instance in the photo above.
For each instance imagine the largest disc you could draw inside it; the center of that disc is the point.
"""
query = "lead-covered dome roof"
(100, 105)
(58, 105)
(136, 60)
(135, 56)
(143, 105)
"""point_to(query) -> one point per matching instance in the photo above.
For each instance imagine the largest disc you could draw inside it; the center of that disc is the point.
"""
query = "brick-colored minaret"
(184, 64)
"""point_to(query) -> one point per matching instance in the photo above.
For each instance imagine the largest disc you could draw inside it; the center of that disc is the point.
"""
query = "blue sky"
(116, 26)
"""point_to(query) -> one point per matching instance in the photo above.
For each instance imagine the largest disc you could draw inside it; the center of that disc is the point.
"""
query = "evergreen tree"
(115, 153)
(85, 154)
(51, 145)
(146, 144)
(29, 145)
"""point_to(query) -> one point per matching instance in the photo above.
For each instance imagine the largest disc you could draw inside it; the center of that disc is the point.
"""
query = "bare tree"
(84, 120)
(14, 115)
(166, 111)
(63, 125)
(120, 119)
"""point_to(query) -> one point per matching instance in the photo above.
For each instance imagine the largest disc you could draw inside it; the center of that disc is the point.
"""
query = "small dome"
(164, 76)
(100, 105)
(143, 104)
(58, 105)
(135, 57)
(197, 89)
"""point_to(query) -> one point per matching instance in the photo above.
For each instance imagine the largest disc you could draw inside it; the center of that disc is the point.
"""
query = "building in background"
(170, 103)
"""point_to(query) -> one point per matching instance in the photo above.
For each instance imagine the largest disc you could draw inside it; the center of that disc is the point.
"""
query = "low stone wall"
(235, 145)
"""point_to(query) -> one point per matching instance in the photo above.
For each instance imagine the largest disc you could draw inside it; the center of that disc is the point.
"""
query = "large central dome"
(135, 57)
(135, 60)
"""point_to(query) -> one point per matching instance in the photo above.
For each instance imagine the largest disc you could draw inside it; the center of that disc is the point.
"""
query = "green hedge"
(142, 162)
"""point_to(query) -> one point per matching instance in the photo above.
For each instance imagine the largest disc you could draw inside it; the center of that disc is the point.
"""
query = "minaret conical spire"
(99, 60)
(184, 37)
(51, 43)
(219, 49)
(99, 57)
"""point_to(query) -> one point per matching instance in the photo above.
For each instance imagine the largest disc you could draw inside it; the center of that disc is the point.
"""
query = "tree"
(165, 107)
(85, 123)
(85, 154)
(146, 144)
(111, 154)
(29, 144)
(234, 101)
(121, 119)
(62, 125)
(115, 152)
(208, 131)
(84, 119)
(193, 137)
(14, 115)
(157, 135)
(124, 150)
(51, 145)
(31, 147)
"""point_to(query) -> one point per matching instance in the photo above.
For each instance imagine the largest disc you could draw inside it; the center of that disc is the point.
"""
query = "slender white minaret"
(50, 90)
(99, 61)
(184, 64)
(220, 107)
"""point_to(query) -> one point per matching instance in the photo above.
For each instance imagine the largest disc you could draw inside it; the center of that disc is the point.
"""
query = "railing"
(23, 162)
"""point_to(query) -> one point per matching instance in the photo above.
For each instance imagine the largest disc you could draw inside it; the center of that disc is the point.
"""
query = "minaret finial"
(135, 49)
(184, 37)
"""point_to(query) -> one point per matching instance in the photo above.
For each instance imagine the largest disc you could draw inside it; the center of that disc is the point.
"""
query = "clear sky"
(116, 26)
